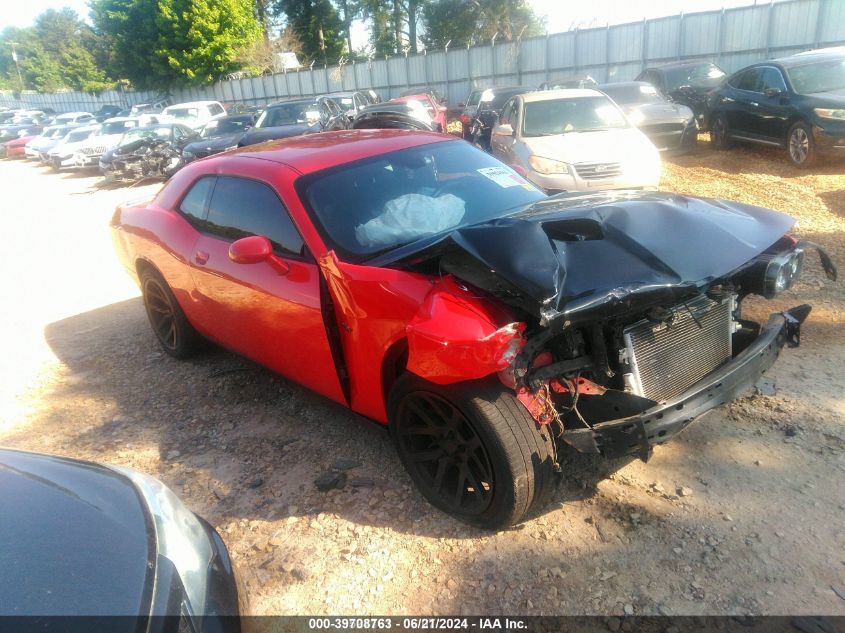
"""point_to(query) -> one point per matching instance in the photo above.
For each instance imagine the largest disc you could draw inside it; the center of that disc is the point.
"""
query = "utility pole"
(15, 57)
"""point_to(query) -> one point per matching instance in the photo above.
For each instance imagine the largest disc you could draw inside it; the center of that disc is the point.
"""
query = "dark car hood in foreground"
(259, 135)
(581, 257)
(215, 144)
(73, 539)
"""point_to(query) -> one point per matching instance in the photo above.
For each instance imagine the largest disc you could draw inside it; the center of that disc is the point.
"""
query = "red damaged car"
(425, 285)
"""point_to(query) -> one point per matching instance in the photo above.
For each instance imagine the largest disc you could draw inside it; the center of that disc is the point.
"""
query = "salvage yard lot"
(742, 513)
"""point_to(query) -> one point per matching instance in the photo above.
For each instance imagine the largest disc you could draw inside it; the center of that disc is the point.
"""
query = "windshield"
(162, 133)
(824, 76)
(61, 133)
(24, 120)
(222, 127)
(561, 116)
(297, 113)
(627, 94)
(78, 135)
(375, 205)
(708, 75)
(473, 98)
(117, 127)
(182, 113)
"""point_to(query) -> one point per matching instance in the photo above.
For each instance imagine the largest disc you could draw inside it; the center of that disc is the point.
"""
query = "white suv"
(194, 114)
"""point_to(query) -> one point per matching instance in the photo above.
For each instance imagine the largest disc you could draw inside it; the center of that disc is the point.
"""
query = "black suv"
(796, 102)
(687, 83)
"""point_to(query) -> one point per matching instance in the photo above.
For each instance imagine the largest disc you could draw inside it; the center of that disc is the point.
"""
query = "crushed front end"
(626, 309)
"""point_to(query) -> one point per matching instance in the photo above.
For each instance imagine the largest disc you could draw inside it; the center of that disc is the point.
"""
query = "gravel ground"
(742, 514)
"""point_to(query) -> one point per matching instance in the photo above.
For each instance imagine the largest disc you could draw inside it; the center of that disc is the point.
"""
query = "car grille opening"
(662, 128)
(594, 171)
(667, 359)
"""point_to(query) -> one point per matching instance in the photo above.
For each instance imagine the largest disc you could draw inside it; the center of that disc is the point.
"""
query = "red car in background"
(427, 286)
(436, 111)
(15, 148)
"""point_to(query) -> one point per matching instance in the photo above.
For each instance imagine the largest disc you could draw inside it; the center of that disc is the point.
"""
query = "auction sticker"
(503, 177)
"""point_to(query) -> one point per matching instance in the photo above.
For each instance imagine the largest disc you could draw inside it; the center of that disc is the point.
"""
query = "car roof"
(190, 104)
(87, 128)
(680, 63)
(561, 93)
(314, 152)
(120, 119)
(808, 57)
(623, 84)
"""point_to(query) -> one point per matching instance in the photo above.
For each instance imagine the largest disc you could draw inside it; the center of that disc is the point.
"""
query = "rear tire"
(719, 133)
(472, 449)
(171, 327)
(800, 145)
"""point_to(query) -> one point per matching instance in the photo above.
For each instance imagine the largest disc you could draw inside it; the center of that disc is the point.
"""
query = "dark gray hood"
(259, 135)
(577, 258)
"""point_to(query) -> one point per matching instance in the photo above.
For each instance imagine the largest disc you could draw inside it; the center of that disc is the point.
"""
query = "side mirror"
(506, 129)
(254, 250)
(773, 92)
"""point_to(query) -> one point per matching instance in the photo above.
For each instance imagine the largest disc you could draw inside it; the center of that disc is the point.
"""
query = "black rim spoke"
(445, 453)
(162, 317)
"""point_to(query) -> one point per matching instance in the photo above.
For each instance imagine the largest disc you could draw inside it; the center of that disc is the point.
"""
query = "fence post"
(519, 55)
(820, 22)
(548, 57)
(446, 66)
(645, 43)
(720, 35)
(469, 68)
(493, 57)
(607, 53)
(680, 43)
(575, 50)
(769, 17)
(407, 70)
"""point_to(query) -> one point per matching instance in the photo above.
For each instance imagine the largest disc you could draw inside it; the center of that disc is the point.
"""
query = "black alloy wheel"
(448, 458)
(171, 327)
(719, 132)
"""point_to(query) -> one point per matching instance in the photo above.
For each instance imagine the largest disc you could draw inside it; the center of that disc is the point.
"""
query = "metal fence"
(733, 38)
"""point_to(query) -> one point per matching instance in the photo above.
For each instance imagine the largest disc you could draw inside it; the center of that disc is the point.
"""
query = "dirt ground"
(744, 513)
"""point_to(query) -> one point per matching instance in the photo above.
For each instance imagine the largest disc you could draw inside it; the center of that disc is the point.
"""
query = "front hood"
(103, 140)
(215, 144)
(576, 258)
(650, 113)
(832, 98)
(604, 146)
(259, 135)
(76, 539)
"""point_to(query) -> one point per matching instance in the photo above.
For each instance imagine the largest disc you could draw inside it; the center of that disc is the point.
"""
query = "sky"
(561, 15)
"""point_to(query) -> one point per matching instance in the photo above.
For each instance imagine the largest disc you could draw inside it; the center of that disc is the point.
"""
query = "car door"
(501, 144)
(741, 115)
(268, 311)
(771, 116)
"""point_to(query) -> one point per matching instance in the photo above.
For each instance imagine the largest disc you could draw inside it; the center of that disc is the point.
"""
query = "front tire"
(719, 134)
(800, 145)
(472, 449)
(171, 327)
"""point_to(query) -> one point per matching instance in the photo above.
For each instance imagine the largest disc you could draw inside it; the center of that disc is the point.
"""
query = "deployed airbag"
(411, 217)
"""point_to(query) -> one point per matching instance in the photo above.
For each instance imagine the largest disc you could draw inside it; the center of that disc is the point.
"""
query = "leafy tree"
(167, 43)
(317, 25)
(470, 21)
(56, 52)
(394, 24)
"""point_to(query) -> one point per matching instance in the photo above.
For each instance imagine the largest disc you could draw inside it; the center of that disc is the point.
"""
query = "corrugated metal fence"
(733, 38)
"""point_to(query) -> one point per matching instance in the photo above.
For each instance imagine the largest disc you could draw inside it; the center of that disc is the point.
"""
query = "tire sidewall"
(720, 140)
(185, 334)
(505, 481)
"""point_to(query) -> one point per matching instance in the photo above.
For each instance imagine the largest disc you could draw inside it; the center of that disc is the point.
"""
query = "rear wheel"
(171, 327)
(800, 145)
(472, 449)
(719, 135)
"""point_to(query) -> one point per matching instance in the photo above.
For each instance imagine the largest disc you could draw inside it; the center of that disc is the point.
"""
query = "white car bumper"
(598, 179)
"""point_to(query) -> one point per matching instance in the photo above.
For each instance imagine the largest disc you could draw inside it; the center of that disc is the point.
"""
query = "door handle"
(201, 257)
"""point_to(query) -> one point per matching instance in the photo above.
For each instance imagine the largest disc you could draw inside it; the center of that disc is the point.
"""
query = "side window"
(215, 109)
(507, 113)
(771, 79)
(193, 204)
(750, 80)
(241, 207)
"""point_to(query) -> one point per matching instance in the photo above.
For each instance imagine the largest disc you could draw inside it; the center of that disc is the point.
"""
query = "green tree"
(169, 43)
(317, 25)
(475, 21)
(56, 52)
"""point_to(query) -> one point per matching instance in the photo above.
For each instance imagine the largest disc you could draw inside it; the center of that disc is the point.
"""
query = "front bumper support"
(637, 435)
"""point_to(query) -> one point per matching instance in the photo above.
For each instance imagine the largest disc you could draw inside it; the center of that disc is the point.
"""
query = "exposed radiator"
(668, 359)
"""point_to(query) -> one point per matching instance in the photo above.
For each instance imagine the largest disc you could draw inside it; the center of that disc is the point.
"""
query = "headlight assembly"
(782, 271)
(547, 165)
(831, 113)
